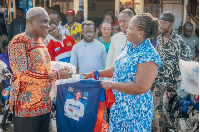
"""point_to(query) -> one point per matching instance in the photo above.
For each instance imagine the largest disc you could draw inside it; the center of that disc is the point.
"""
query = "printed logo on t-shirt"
(69, 44)
(57, 49)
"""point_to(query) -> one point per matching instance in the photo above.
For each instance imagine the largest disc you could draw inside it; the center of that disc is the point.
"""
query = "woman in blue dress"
(133, 74)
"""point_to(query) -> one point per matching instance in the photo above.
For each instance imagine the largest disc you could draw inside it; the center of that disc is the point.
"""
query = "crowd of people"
(141, 57)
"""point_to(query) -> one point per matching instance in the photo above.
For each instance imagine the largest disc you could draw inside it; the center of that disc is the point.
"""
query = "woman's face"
(108, 18)
(106, 29)
(132, 32)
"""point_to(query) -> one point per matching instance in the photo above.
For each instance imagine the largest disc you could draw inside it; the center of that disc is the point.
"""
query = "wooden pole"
(14, 9)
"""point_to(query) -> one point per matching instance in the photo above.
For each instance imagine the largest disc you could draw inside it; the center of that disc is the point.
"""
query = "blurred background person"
(106, 30)
(74, 28)
(18, 25)
(79, 16)
(191, 40)
(62, 15)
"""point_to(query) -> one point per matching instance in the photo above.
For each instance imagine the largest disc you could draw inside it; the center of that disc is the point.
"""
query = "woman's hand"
(106, 84)
(87, 75)
(65, 73)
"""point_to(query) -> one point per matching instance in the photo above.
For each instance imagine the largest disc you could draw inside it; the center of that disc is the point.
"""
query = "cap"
(70, 11)
(167, 16)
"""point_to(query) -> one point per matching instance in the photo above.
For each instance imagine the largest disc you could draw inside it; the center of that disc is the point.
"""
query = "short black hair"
(55, 13)
(87, 23)
(128, 11)
(189, 24)
(56, 7)
(109, 14)
(51, 8)
(20, 9)
(52, 22)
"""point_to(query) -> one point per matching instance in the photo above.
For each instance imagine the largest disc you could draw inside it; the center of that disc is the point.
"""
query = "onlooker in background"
(3, 37)
(88, 54)
(54, 16)
(190, 39)
(5, 58)
(107, 17)
(50, 10)
(74, 27)
(119, 40)
(60, 45)
(171, 48)
(106, 30)
(62, 15)
(79, 16)
(18, 25)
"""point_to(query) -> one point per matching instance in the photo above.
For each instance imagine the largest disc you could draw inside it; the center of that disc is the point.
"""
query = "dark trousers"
(32, 124)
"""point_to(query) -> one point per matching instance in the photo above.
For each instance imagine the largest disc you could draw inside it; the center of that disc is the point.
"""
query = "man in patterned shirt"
(170, 47)
(32, 75)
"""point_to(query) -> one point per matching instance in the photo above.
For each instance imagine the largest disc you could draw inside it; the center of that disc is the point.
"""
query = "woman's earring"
(139, 35)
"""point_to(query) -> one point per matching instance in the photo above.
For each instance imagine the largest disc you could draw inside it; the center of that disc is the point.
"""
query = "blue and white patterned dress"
(132, 113)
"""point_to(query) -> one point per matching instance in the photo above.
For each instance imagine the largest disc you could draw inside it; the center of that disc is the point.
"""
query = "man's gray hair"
(35, 11)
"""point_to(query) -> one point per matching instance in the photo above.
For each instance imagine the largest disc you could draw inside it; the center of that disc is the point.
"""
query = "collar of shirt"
(63, 37)
(67, 26)
(173, 35)
(144, 43)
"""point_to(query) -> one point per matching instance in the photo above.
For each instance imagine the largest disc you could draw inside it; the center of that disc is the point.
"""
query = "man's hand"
(87, 75)
(65, 73)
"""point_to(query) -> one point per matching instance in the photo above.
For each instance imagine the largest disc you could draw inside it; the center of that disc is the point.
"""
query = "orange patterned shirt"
(32, 76)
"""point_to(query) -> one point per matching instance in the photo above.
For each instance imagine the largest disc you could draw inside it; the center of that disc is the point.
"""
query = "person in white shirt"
(73, 107)
(89, 54)
(119, 40)
(54, 16)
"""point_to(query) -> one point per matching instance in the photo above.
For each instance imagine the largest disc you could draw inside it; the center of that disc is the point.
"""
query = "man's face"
(49, 11)
(77, 96)
(124, 20)
(19, 14)
(187, 30)
(70, 18)
(108, 18)
(55, 18)
(40, 25)
(88, 33)
(164, 26)
(79, 16)
(53, 30)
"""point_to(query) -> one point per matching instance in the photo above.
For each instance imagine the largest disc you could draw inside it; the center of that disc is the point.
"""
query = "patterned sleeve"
(18, 63)
(184, 51)
(150, 57)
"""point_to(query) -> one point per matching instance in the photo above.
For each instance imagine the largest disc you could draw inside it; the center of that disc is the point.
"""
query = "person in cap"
(30, 62)
(74, 27)
(171, 48)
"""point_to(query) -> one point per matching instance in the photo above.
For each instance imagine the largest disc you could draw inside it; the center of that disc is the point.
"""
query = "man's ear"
(30, 21)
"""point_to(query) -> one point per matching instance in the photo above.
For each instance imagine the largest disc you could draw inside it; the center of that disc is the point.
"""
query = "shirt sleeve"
(104, 56)
(51, 50)
(74, 57)
(110, 56)
(184, 51)
(19, 65)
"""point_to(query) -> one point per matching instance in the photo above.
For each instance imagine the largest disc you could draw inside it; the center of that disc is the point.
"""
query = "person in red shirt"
(59, 46)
